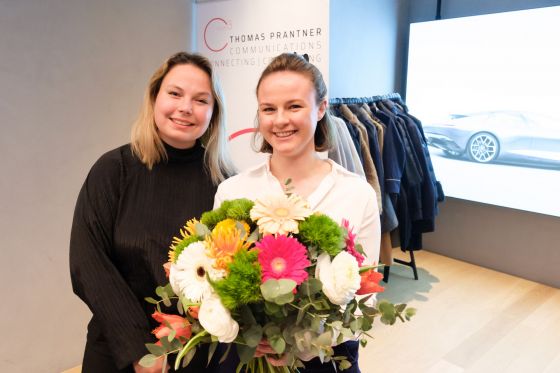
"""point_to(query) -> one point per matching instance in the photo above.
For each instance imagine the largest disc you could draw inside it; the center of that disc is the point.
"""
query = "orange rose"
(370, 282)
(181, 326)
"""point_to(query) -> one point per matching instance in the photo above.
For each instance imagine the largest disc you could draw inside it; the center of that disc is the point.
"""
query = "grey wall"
(517, 242)
(72, 74)
(365, 57)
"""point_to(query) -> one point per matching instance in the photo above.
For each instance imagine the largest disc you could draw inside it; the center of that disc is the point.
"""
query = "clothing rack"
(366, 100)
(395, 97)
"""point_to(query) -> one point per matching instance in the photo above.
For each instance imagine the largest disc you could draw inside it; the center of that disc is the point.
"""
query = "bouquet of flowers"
(283, 283)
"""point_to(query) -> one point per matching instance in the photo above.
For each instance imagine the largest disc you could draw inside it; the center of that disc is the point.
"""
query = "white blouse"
(340, 195)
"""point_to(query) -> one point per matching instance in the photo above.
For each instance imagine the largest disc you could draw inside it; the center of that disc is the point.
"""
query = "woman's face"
(288, 113)
(183, 106)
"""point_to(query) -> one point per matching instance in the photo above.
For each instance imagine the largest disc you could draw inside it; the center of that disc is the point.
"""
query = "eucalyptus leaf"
(155, 349)
(148, 360)
(344, 364)
(245, 353)
(160, 291)
(324, 339)
(167, 345)
(311, 286)
(253, 335)
(277, 343)
(284, 298)
(171, 335)
(409, 313)
(201, 230)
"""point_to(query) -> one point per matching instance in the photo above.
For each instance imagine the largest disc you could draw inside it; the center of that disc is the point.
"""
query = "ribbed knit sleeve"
(95, 278)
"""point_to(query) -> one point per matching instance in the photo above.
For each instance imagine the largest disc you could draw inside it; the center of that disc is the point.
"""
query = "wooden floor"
(470, 319)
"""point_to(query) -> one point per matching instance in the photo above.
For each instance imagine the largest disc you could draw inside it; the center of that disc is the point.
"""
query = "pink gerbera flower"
(282, 257)
(351, 242)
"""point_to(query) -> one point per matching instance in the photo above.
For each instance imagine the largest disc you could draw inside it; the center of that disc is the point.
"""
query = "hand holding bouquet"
(280, 281)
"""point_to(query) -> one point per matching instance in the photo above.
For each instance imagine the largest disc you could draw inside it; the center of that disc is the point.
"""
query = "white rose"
(217, 320)
(341, 277)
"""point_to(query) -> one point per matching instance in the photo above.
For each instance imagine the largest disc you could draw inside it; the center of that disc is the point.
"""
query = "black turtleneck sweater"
(124, 221)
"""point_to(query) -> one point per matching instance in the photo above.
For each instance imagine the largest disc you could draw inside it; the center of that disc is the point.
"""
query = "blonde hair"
(148, 146)
(324, 133)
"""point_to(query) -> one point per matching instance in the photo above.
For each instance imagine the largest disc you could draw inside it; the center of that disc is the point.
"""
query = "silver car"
(505, 135)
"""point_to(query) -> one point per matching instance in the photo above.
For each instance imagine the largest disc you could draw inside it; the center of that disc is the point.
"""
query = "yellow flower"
(279, 214)
(227, 239)
(187, 232)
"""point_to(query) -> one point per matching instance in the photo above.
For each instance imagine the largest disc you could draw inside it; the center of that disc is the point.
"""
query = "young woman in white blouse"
(294, 126)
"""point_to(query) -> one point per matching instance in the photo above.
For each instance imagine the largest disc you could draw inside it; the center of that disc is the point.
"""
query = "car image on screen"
(498, 135)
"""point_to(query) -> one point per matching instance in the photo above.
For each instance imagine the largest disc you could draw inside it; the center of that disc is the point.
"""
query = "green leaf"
(363, 342)
(165, 343)
(325, 339)
(224, 356)
(278, 344)
(409, 313)
(155, 349)
(356, 325)
(171, 335)
(284, 298)
(311, 286)
(344, 364)
(254, 236)
(192, 343)
(160, 291)
(245, 353)
(201, 230)
(367, 323)
(188, 357)
(148, 360)
(151, 300)
(211, 351)
(272, 330)
(272, 288)
(400, 307)
(253, 335)
(359, 248)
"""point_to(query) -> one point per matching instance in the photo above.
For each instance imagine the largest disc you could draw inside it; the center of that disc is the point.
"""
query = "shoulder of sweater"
(113, 162)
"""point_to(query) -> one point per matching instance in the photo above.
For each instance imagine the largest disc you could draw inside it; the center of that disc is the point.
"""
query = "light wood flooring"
(470, 319)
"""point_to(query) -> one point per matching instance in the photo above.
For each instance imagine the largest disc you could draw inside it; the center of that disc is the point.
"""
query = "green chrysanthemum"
(242, 285)
(236, 209)
(323, 233)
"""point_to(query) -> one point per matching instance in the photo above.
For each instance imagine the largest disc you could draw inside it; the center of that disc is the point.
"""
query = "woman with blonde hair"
(133, 201)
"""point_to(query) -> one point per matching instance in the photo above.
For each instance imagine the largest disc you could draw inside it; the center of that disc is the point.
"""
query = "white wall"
(73, 74)
(517, 242)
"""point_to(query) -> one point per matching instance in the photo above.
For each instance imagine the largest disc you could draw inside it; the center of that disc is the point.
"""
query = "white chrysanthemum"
(188, 275)
(341, 277)
(217, 320)
(279, 214)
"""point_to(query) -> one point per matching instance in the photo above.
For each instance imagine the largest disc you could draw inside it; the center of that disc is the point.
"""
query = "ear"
(322, 110)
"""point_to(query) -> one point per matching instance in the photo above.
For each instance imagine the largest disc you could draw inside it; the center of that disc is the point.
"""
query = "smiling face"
(288, 113)
(183, 106)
